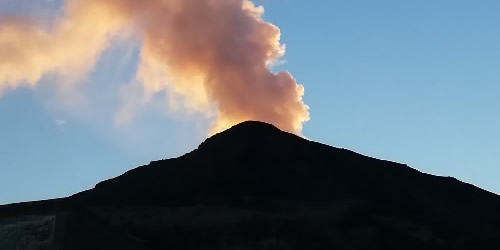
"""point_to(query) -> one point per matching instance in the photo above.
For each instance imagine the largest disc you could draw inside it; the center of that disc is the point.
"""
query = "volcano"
(254, 186)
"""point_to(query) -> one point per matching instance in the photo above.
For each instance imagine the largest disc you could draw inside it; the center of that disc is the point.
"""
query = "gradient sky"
(417, 82)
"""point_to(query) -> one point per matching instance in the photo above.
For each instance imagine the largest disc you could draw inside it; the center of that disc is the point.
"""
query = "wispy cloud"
(60, 122)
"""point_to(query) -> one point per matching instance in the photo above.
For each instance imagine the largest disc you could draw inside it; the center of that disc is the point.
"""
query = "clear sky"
(417, 82)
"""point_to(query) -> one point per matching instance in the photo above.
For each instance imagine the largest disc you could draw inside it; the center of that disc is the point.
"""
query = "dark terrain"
(256, 187)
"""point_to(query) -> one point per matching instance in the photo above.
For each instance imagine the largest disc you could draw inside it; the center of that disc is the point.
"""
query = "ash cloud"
(215, 54)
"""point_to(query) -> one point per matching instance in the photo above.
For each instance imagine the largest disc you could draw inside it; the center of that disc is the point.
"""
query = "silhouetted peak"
(252, 127)
(248, 132)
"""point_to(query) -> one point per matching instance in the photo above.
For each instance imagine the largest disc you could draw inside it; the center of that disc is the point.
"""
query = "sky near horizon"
(416, 82)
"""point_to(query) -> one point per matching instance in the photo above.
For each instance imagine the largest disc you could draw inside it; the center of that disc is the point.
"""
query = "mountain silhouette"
(254, 186)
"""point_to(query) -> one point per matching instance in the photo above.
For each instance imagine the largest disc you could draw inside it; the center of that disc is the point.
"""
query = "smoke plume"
(214, 53)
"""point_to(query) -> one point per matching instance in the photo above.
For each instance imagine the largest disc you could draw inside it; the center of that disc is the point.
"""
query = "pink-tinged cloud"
(214, 53)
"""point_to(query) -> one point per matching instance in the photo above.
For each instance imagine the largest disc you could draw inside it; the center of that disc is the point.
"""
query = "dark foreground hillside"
(256, 187)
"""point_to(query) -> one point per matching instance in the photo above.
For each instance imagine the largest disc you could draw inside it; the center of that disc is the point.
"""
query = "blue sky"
(417, 82)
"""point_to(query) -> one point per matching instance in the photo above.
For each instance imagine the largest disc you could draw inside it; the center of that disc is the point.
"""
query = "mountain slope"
(256, 187)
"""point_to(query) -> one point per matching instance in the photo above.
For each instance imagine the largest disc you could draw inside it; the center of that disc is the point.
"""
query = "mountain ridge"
(267, 179)
(264, 128)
